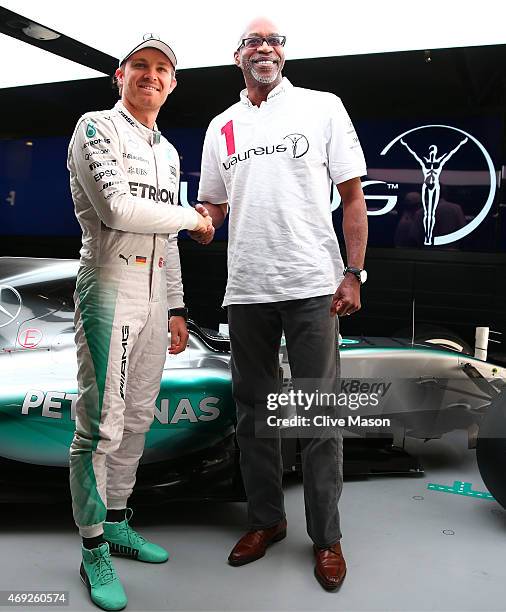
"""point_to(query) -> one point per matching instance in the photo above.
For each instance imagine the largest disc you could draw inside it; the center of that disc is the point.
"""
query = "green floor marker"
(460, 488)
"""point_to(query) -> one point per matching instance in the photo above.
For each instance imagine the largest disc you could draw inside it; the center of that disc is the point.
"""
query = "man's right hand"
(204, 232)
(205, 223)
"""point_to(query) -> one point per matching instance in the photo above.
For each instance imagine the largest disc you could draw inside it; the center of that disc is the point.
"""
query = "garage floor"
(408, 548)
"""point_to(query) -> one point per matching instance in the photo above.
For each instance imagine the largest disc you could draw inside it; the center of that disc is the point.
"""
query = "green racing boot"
(99, 575)
(125, 541)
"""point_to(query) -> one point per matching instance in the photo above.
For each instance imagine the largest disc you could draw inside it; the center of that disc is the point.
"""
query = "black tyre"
(491, 449)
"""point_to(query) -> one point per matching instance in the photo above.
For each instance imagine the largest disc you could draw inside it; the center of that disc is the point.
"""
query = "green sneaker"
(125, 541)
(99, 575)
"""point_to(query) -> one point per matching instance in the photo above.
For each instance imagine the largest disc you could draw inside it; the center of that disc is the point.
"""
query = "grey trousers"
(311, 338)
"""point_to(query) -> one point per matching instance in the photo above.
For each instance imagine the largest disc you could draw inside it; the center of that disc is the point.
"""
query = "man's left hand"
(178, 335)
(203, 237)
(346, 299)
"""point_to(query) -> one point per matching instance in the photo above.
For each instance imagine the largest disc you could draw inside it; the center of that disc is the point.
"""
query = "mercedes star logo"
(12, 307)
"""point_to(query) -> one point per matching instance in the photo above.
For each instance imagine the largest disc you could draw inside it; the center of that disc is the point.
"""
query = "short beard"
(265, 80)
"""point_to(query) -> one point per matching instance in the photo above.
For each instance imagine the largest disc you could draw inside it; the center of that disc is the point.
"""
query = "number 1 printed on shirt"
(228, 131)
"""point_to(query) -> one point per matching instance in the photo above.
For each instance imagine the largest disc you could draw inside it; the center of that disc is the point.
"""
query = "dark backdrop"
(456, 290)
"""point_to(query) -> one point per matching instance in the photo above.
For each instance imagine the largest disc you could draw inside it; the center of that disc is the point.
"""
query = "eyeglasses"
(257, 41)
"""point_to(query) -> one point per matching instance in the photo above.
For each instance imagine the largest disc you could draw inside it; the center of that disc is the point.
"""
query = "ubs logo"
(299, 145)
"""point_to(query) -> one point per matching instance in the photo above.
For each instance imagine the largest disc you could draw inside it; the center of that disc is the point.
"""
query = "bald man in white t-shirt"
(269, 162)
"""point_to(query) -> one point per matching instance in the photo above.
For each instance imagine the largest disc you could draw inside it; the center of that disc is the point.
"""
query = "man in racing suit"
(124, 179)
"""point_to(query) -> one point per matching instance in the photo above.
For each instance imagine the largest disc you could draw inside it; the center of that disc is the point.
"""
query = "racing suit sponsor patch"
(143, 190)
(91, 130)
(125, 331)
(121, 256)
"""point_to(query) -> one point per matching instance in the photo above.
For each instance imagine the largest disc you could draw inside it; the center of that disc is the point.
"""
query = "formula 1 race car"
(190, 449)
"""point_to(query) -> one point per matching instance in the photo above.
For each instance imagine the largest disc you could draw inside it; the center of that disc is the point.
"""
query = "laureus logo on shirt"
(297, 146)
(91, 130)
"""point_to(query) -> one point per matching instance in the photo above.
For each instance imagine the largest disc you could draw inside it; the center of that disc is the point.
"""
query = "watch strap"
(179, 312)
(357, 272)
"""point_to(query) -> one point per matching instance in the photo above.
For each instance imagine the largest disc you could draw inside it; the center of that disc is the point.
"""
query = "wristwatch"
(359, 273)
(179, 312)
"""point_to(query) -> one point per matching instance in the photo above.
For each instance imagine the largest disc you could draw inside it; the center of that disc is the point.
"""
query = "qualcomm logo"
(431, 161)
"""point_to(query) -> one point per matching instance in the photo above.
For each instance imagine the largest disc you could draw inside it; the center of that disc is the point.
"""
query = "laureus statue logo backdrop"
(427, 158)
(432, 161)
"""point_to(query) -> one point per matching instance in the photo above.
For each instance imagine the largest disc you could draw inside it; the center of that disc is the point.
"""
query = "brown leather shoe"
(330, 568)
(253, 544)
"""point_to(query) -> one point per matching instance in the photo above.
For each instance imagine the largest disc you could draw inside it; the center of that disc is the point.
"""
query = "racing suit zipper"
(153, 256)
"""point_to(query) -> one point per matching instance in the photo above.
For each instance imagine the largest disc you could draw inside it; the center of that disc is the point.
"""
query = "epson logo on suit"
(104, 174)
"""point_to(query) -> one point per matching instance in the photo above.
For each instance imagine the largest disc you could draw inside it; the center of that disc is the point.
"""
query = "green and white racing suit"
(124, 179)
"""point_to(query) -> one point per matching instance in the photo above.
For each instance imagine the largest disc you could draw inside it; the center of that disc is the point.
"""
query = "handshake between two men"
(204, 232)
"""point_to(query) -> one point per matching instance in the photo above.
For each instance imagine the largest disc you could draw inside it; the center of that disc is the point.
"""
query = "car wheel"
(491, 448)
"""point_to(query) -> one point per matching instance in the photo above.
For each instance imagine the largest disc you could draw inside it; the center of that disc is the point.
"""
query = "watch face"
(363, 276)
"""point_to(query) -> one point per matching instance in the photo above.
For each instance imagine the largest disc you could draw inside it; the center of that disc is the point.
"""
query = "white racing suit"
(124, 179)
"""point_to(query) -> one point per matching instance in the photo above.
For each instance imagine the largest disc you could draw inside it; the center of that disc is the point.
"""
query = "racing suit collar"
(284, 87)
(152, 136)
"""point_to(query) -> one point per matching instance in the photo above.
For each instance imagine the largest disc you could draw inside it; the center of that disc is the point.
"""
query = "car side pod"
(491, 448)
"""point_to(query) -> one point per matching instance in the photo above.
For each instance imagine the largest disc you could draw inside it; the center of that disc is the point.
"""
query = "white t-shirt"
(274, 164)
